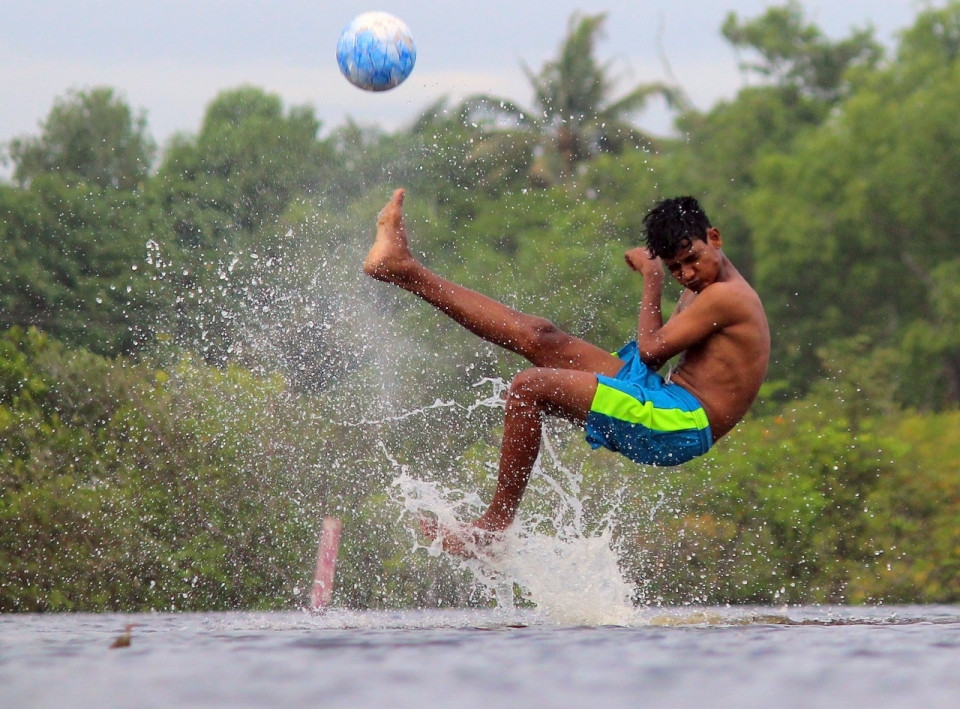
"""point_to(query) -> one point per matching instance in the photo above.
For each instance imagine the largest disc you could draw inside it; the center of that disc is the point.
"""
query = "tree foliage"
(90, 136)
(241, 171)
(126, 487)
(573, 95)
(796, 54)
(72, 262)
(850, 225)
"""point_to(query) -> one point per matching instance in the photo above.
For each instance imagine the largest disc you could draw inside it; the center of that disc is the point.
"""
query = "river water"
(905, 656)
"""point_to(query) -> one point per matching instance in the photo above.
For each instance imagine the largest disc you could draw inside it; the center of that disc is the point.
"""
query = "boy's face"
(698, 266)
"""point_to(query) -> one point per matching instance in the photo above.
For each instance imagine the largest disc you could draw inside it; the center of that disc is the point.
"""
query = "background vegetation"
(194, 372)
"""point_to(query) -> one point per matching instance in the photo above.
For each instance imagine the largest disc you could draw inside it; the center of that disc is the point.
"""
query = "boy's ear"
(714, 238)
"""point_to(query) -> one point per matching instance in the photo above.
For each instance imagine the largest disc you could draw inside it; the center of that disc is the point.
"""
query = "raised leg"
(534, 338)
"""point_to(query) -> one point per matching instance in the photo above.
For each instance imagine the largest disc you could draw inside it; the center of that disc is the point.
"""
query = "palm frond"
(637, 100)
(430, 116)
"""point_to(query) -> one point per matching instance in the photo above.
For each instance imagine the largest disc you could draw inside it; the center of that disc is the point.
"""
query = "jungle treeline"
(193, 371)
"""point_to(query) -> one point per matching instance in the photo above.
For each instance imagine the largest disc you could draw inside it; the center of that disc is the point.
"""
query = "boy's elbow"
(649, 349)
(654, 363)
(653, 352)
(651, 358)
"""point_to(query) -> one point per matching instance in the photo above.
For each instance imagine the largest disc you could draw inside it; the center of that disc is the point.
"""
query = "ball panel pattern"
(376, 51)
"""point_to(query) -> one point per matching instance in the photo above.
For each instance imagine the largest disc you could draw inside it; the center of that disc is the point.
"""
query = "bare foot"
(390, 259)
(464, 542)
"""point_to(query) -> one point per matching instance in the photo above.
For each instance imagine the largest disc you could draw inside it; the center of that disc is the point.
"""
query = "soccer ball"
(376, 51)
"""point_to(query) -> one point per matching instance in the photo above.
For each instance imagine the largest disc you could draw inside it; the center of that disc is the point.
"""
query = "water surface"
(710, 657)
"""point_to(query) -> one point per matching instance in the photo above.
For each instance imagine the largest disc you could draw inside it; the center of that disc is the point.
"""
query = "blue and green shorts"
(646, 419)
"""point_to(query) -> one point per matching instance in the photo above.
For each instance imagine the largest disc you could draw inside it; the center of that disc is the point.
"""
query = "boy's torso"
(725, 370)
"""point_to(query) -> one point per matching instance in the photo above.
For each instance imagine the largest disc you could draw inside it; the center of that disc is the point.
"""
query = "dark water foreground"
(714, 657)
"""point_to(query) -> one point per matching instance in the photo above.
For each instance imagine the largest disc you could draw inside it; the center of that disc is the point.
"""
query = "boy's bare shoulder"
(731, 292)
(736, 299)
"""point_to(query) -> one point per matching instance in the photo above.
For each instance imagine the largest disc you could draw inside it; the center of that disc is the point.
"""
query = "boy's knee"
(526, 384)
(541, 334)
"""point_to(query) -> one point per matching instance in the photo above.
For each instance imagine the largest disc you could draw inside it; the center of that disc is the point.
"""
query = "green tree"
(90, 136)
(241, 171)
(72, 262)
(365, 158)
(852, 224)
(73, 235)
(126, 488)
(798, 55)
(573, 94)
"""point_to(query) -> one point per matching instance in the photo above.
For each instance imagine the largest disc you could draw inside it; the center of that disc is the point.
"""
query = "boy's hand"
(639, 260)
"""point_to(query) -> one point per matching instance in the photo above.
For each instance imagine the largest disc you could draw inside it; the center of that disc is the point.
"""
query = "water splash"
(494, 401)
(303, 309)
(566, 568)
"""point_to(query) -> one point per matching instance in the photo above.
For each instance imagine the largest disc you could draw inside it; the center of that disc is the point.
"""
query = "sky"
(171, 57)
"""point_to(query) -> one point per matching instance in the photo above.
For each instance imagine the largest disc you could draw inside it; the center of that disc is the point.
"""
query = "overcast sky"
(171, 57)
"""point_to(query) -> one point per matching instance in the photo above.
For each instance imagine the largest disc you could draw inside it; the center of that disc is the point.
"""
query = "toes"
(393, 210)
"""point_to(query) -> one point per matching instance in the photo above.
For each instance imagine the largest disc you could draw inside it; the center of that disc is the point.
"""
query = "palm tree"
(573, 118)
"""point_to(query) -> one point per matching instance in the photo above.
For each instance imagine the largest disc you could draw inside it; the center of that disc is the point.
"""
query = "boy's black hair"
(673, 224)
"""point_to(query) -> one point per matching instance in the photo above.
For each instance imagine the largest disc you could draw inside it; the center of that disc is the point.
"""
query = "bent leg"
(533, 394)
(534, 338)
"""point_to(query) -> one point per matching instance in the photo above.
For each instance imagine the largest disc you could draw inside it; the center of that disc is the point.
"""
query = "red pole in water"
(326, 564)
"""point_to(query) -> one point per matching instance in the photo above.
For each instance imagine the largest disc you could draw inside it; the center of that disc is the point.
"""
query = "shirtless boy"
(718, 327)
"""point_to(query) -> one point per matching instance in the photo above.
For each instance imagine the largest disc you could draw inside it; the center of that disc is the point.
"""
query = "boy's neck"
(728, 271)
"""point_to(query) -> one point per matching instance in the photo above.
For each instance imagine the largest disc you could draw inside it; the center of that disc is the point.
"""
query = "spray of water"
(552, 559)
(324, 327)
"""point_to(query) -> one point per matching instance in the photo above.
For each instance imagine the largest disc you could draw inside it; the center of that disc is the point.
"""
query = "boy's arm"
(650, 318)
(685, 299)
(712, 310)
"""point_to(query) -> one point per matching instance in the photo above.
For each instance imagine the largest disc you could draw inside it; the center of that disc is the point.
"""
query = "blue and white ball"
(376, 51)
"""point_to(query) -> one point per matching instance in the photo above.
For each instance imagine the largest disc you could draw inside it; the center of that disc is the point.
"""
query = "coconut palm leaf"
(573, 117)
(430, 117)
(636, 101)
